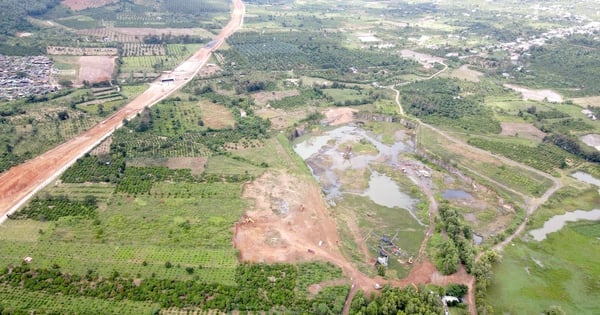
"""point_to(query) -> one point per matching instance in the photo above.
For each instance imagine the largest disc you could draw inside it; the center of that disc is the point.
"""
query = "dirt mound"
(339, 116)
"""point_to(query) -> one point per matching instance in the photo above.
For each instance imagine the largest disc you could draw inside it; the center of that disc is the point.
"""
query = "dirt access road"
(21, 182)
(532, 204)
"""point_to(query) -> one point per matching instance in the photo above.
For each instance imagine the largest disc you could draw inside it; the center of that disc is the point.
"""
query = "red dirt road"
(21, 182)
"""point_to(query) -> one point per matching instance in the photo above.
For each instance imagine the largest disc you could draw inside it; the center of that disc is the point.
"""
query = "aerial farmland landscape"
(299, 157)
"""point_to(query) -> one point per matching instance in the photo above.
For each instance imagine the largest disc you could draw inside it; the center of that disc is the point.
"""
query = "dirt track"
(21, 182)
(289, 217)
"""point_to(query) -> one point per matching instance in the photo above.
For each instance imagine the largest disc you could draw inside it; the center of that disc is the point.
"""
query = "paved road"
(21, 182)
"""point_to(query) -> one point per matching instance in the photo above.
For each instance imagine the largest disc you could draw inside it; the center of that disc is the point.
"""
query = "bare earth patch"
(593, 101)
(536, 95)
(339, 116)
(216, 116)
(523, 130)
(281, 119)
(289, 221)
(78, 5)
(464, 73)
(262, 98)
(95, 68)
(195, 164)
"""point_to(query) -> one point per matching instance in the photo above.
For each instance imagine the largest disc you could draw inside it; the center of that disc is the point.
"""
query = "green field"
(188, 225)
(564, 275)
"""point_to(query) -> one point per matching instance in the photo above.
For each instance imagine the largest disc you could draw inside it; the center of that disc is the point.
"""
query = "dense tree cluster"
(458, 246)
(259, 287)
(573, 145)
(399, 301)
(54, 207)
(484, 277)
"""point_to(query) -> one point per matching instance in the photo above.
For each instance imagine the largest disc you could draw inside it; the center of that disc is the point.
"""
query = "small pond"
(586, 178)
(385, 192)
(557, 222)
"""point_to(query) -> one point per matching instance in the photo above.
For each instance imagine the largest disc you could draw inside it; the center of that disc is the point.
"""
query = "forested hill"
(13, 13)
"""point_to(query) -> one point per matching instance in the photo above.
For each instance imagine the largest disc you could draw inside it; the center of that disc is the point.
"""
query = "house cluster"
(521, 44)
(25, 76)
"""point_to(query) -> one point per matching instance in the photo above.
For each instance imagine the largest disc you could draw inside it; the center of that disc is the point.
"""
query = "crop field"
(171, 117)
(544, 157)
(175, 53)
(35, 133)
(184, 224)
(110, 34)
(135, 49)
(16, 300)
(150, 145)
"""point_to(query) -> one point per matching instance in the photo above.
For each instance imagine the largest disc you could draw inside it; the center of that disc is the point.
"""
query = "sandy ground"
(95, 68)
(77, 5)
(289, 220)
(523, 130)
(339, 116)
(536, 95)
(593, 140)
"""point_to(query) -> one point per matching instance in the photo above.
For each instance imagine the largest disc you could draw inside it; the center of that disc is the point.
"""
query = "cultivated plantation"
(329, 158)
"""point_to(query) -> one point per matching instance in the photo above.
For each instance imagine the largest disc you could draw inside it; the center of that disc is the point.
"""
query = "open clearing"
(216, 116)
(289, 219)
(465, 73)
(95, 68)
(536, 95)
(522, 130)
(593, 101)
(262, 98)
(78, 5)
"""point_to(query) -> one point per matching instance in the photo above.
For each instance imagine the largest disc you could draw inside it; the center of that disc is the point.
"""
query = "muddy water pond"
(557, 222)
(385, 192)
(586, 178)
(325, 158)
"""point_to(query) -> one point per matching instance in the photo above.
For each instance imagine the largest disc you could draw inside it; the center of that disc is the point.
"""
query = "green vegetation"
(398, 301)
(544, 157)
(53, 208)
(259, 287)
(458, 247)
(536, 276)
(574, 75)
(449, 103)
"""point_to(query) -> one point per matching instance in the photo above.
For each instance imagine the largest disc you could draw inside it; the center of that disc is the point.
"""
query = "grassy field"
(186, 224)
(534, 276)
(378, 220)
